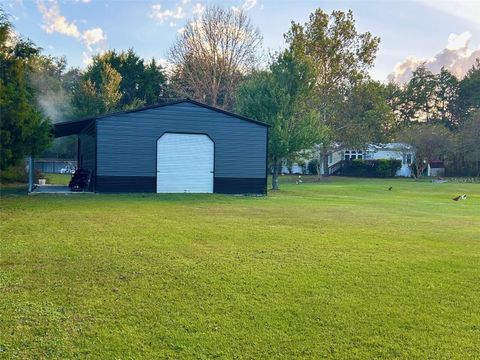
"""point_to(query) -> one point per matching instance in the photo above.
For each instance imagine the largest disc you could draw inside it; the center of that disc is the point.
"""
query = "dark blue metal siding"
(127, 143)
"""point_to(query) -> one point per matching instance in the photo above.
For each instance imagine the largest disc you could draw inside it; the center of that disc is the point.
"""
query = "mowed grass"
(342, 269)
(57, 179)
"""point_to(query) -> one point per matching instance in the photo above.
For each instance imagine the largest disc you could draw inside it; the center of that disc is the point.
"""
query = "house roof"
(390, 146)
(74, 127)
(436, 164)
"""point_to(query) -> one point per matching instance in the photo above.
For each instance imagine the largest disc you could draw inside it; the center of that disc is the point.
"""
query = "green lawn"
(343, 269)
(58, 179)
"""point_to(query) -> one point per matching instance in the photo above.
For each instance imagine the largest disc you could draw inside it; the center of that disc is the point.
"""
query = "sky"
(439, 33)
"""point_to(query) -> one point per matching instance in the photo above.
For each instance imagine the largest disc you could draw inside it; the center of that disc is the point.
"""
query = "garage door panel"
(185, 163)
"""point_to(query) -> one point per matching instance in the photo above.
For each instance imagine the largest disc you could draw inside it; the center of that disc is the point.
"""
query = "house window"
(409, 159)
(353, 155)
(330, 158)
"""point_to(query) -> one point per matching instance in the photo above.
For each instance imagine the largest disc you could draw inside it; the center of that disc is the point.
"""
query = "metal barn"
(177, 147)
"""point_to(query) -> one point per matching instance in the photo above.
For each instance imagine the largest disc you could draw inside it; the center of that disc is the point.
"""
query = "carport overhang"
(70, 127)
(67, 128)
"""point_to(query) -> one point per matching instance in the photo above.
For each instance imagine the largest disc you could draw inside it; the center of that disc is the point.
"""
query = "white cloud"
(166, 15)
(95, 39)
(94, 36)
(53, 21)
(457, 57)
(467, 10)
(247, 5)
(458, 41)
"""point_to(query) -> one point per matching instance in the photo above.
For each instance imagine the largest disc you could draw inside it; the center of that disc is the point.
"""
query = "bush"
(17, 174)
(371, 168)
(14, 174)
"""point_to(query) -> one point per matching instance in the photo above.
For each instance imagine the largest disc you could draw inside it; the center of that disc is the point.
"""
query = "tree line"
(316, 93)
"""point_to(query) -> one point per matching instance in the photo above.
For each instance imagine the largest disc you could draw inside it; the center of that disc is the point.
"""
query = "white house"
(396, 151)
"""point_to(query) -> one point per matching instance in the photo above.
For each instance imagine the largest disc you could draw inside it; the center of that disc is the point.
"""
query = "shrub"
(17, 174)
(371, 168)
(14, 174)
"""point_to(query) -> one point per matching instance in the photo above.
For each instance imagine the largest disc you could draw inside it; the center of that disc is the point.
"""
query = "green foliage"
(14, 174)
(381, 168)
(436, 98)
(284, 98)
(23, 128)
(92, 98)
(422, 88)
(447, 99)
(469, 92)
(116, 81)
(365, 115)
(468, 145)
(341, 57)
(17, 174)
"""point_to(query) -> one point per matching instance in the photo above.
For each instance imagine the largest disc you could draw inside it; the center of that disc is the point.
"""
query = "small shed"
(435, 168)
(180, 146)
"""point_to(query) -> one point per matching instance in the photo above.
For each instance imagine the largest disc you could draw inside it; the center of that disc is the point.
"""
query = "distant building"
(396, 151)
(436, 168)
(180, 146)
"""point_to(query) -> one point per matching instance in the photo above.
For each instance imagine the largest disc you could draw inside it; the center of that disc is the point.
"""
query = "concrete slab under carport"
(55, 189)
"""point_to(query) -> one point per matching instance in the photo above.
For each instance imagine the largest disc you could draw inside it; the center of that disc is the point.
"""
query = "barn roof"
(74, 127)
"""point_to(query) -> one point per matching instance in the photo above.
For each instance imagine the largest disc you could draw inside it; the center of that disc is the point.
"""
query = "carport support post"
(30, 173)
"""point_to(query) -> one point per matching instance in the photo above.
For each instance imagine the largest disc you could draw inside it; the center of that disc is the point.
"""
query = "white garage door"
(185, 163)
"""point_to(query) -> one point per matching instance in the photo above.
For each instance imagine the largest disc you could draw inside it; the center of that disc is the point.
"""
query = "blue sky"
(439, 32)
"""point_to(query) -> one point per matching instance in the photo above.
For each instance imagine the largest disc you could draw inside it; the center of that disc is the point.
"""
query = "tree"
(212, 55)
(422, 90)
(446, 95)
(283, 97)
(90, 98)
(109, 90)
(118, 81)
(341, 56)
(24, 129)
(430, 142)
(469, 140)
(154, 84)
(365, 115)
(469, 92)
(401, 101)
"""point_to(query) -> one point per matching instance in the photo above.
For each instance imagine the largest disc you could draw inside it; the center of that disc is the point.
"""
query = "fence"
(54, 165)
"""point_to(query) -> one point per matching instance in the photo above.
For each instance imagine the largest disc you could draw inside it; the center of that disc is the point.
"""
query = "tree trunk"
(276, 166)
(420, 169)
(325, 160)
(478, 167)
(318, 167)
